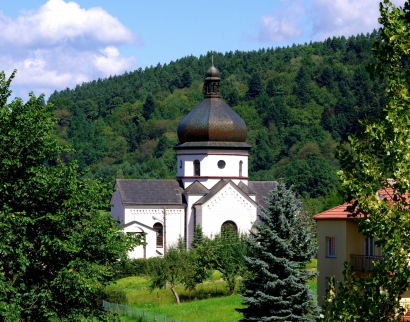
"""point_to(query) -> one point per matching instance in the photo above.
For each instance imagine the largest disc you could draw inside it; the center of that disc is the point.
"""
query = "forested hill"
(298, 103)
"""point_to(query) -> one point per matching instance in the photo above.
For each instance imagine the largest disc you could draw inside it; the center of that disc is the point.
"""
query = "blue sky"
(56, 44)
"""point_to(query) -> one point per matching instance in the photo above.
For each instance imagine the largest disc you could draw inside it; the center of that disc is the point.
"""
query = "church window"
(230, 224)
(160, 234)
(197, 168)
(240, 168)
(221, 164)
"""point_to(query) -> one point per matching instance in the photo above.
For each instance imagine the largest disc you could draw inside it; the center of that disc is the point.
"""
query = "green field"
(210, 302)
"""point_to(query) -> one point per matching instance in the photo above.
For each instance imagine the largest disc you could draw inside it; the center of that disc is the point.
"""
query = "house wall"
(228, 204)
(348, 242)
(328, 267)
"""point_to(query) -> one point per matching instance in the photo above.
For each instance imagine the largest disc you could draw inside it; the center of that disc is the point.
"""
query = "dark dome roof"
(212, 73)
(212, 120)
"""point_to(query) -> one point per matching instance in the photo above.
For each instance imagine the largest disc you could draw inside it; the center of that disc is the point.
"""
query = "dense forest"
(298, 102)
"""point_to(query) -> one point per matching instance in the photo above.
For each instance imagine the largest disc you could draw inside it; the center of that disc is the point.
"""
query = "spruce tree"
(279, 249)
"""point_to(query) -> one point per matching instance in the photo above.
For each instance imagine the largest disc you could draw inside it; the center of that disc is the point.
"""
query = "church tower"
(212, 140)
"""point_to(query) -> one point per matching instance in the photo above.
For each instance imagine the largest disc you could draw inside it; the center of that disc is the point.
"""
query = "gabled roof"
(337, 213)
(216, 188)
(196, 188)
(149, 192)
(221, 183)
(138, 224)
(340, 212)
(246, 189)
(262, 190)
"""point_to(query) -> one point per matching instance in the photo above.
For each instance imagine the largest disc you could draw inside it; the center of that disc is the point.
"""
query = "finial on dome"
(212, 79)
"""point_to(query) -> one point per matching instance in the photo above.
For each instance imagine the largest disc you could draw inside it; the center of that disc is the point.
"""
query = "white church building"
(211, 189)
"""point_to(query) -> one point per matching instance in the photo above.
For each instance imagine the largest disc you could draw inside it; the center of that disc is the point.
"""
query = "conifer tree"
(279, 249)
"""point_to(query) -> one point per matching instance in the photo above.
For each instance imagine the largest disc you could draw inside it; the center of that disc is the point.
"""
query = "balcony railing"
(363, 262)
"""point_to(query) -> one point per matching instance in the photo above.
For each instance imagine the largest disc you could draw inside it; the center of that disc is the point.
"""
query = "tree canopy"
(375, 176)
(56, 243)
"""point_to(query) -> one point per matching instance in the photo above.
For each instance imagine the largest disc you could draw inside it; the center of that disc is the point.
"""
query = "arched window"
(160, 234)
(229, 224)
(240, 168)
(197, 168)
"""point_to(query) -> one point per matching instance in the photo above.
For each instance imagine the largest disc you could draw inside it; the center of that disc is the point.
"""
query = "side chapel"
(211, 189)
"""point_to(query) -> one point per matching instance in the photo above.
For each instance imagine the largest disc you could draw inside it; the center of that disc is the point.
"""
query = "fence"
(140, 315)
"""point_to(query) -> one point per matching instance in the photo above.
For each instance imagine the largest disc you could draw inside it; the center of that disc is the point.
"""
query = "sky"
(57, 44)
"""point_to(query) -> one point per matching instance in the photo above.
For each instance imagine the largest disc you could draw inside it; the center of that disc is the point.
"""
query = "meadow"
(209, 302)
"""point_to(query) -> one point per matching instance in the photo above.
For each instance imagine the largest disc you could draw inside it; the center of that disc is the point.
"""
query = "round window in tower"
(221, 164)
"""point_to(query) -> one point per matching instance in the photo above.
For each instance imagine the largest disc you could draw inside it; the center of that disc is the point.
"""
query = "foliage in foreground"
(381, 206)
(280, 247)
(55, 243)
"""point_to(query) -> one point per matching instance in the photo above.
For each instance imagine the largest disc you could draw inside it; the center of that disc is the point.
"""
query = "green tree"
(148, 107)
(56, 243)
(377, 164)
(228, 251)
(280, 247)
(255, 86)
(177, 267)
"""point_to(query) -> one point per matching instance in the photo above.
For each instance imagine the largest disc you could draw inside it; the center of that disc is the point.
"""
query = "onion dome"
(212, 120)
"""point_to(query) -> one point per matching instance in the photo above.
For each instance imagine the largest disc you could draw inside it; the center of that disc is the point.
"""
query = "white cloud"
(343, 17)
(282, 25)
(320, 19)
(60, 45)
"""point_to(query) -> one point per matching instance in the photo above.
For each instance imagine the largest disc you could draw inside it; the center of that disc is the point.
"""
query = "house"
(211, 189)
(340, 241)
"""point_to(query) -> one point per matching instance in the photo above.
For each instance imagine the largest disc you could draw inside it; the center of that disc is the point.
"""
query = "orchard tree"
(227, 251)
(279, 249)
(376, 178)
(56, 244)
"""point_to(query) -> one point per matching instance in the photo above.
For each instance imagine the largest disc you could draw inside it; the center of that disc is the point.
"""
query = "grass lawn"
(210, 302)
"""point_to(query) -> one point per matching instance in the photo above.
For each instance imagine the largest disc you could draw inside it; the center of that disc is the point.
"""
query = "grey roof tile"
(246, 189)
(196, 188)
(149, 192)
(262, 189)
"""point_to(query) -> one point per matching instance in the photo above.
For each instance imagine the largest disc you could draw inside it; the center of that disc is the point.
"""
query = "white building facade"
(211, 189)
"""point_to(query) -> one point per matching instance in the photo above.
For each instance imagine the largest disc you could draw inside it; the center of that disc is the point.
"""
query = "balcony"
(363, 262)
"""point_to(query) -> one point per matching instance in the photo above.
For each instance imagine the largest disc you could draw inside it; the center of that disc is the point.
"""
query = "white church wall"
(191, 221)
(142, 251)
(228, 204)
(151, 214)
(210, 168)
(175, 224)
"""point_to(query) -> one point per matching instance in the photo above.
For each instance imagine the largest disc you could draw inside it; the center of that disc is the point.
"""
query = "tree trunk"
(175, 294)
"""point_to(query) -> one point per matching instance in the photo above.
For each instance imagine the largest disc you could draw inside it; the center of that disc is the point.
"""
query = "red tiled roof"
(340, 212)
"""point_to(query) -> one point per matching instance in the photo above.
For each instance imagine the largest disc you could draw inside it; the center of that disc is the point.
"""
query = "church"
(211, 188)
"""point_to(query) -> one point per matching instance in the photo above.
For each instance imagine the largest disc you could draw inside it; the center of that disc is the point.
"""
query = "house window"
(240, 168)
(197, 168)
(230, 224)
(160, 234)
(330, 247)
(369, 246)
(327, 283)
